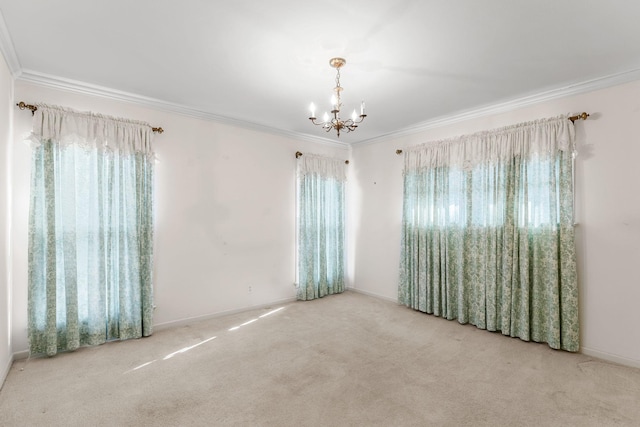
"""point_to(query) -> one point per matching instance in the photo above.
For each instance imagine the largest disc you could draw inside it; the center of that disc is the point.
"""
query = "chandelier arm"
(361, 118)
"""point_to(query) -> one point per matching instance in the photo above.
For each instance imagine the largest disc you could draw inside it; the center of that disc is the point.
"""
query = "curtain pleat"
(488, 234)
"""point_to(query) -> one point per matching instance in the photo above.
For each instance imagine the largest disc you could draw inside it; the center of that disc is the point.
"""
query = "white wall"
(607, 204)
(6, 98)
(225, 210)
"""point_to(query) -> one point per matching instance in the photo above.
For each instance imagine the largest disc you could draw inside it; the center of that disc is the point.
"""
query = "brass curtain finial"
(582, 116)
(159, 130)
(398, 152)
(23, 106)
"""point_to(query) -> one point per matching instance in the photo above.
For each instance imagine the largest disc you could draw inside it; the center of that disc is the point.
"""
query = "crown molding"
(7, 49)
(47, 80)
(75, 86)
(514, 104)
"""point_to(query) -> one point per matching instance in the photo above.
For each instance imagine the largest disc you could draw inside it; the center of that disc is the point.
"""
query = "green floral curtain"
(90, 230)
(488, 235)
(321, 212)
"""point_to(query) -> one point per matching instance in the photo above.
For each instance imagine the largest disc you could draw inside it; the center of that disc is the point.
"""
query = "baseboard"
(584, 350)
(610, 357)
(24, 354)
(181, 322)
(176, 323)
(186, 321)
(372, 294)
(5, 371)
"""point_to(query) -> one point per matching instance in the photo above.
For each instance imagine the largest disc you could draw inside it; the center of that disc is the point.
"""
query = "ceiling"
(263, 62)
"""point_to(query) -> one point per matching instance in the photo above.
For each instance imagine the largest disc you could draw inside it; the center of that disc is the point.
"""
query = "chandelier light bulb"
(312, 108)
(325, 118)
(333, 102)
(354, 116)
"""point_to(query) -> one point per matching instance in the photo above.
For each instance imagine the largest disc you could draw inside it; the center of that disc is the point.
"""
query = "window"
(90, 231)
(321, 210)
(490, 240)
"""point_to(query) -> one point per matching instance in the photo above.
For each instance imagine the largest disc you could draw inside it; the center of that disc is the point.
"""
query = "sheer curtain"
(90, 230)
(321, 211)
(488, 234)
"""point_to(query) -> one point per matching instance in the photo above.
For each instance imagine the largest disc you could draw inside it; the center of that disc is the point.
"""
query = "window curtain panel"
(90, 230)
(488, 235)
(321, 212)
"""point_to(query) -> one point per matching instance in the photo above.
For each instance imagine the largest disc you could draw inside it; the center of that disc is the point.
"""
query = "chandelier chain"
(338, 88)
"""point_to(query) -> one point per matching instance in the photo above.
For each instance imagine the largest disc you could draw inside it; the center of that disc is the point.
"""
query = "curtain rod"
(298, 154)
(23, 106)
(582, 116)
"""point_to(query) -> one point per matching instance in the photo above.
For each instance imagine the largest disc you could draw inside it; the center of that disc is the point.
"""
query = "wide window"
(488, 234)
(90, 230)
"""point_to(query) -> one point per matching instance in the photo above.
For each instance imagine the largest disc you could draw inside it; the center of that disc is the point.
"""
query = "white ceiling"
(263, 62)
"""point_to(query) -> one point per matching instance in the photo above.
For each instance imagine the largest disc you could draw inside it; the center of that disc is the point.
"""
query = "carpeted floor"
(344, 360)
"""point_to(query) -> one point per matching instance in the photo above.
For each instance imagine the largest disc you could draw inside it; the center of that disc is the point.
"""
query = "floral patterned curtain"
(321, 212)
(488, 235)
(90, 230)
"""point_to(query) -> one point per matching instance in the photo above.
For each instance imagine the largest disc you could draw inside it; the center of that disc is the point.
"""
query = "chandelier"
(335, 122)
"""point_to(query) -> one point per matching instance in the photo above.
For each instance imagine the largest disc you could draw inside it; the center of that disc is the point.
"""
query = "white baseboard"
(584, 350)
(186, 321)
(181, 322)
(372, 294)
(610, 357)
(5, 371)
(176, 323)
(20, 355)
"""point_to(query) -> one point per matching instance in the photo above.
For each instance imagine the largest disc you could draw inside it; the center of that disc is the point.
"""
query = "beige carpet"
(344, 360)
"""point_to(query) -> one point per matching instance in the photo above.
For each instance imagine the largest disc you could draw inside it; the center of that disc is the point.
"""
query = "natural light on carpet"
(185, 349)
(235, 328)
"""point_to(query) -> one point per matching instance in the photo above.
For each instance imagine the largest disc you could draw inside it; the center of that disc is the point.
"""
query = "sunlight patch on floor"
(235, 328)
(186, 349)
(271, 312)
(143, 365)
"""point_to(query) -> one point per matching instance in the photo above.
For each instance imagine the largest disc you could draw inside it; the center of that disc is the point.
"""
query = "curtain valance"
(326, 167)
(69, 127)
(539, 137)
